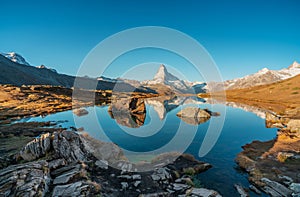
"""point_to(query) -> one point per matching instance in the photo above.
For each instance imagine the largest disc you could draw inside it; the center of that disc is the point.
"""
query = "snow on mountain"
(262, 77)
(164, 77)
(15, 57)
(44, 67)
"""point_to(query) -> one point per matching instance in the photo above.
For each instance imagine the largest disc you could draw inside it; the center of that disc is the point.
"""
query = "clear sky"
(241, 36)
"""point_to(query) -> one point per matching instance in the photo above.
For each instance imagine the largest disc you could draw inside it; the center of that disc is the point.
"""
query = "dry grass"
(279, 97)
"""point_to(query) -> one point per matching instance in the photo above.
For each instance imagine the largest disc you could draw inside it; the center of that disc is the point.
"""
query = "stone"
(179, 186)
(128, 177)
(194, 116)
(279, 188)
(136, 177)
(102, 164)
(253, 188)
(294, 126)
(57, 163)
(66, 177)
(295, 187)
(271, 191)
(204, 192)
(241, 190)
(79, 188)
(36, 148)
(124, 185)
(80, 112)
(155, 177)
(28, 179)
(136, 183)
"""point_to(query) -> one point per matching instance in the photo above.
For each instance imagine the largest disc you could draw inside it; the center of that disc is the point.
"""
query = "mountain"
(15, 57)
(262, 77)
(15, 70)
(281, 97)
(18, 72)
(163, 77)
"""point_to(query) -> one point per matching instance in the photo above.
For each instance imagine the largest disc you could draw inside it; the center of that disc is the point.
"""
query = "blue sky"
(241, 36)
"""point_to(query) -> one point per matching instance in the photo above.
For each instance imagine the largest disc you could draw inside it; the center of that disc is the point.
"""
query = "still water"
(157, 131)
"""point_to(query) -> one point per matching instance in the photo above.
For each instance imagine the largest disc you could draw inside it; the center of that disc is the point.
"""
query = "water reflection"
(131, 112)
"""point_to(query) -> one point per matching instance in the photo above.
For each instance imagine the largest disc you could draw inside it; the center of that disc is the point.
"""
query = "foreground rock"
(274, 166)
(68, 164)
(195, 116)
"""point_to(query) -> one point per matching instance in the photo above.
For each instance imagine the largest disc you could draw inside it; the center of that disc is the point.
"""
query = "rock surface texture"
(65, 163)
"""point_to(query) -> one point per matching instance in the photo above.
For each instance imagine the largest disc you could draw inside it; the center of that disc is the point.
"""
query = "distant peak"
(264, 70)
(15, 57)
(294, 65)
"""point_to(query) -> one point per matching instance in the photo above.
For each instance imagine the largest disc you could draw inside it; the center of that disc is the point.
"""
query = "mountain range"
(15, 70)
(262, 77)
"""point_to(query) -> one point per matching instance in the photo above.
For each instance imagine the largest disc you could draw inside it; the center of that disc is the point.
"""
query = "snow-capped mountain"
(262, 77)
(165, 78)
(15, 57)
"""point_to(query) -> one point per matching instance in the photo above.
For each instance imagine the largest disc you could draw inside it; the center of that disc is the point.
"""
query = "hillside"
(282, 97)
(262, 77)
(21, 74)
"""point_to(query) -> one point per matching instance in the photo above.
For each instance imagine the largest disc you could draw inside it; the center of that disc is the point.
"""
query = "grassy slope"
(281, 97)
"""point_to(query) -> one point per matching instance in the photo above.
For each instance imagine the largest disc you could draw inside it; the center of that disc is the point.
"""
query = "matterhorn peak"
(163, 75)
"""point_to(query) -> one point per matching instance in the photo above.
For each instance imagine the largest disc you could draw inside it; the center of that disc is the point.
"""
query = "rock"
(202, 192)
(36, 148)
(158, 194)
(295, 187)
(287, 180)
(79, 188)
(125, 177)
(136, 183)
(57, 163)
(102, 164)
(193, 115)
(271, 191)
(136, 177)
(241, 190)
(277, 187)
(179, 186)
(29, 179)
(253, 188)
(130, 112)
(107, 151)
(80, 112)
(155, 177)
(294, 126)
(66, 177)
(124, 185)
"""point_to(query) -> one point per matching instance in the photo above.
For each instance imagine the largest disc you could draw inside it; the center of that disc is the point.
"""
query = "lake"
(158, 132)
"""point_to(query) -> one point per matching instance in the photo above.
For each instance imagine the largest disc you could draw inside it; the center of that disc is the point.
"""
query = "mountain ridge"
(262, 77)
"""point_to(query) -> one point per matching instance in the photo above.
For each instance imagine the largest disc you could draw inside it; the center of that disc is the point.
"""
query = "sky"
(242, 37)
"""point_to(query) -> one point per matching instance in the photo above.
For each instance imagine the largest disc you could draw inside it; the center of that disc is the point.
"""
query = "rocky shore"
(274, 166)
(65, 163)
